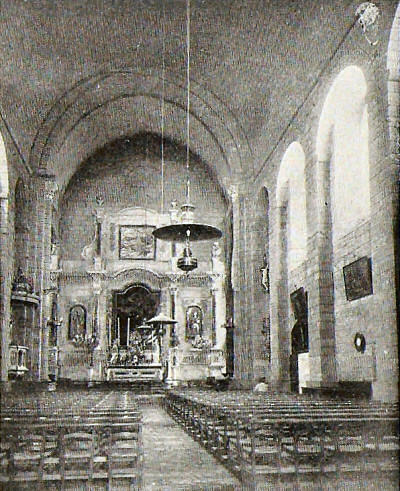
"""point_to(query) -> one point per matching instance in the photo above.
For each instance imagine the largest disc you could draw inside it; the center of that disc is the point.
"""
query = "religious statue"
(265, 274)
(200, 343)
(194, 322)
(216, 250)
(77, 321)
(174, 211)
(114, 352)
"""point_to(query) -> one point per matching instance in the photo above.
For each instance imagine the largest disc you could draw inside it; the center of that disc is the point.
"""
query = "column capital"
(50, 189)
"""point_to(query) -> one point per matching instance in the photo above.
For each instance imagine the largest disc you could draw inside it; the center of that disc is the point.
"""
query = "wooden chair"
(27, 456)
(125, 458)
(76, 453)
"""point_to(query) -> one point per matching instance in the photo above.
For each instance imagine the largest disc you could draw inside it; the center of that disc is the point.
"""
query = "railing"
(18, 361)
(196, 358)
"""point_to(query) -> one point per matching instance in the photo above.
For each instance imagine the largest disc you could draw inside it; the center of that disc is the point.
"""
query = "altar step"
(153, 387)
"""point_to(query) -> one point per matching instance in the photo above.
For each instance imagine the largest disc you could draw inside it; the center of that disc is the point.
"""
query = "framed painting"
(358, 279)
(136, 242)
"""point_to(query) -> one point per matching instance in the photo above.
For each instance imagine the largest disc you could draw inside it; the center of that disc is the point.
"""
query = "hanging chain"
(188, 100)
(162, 108)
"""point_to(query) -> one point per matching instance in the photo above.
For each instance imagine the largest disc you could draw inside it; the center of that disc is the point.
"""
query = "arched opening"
(5, 262)
(292, 194)
(291, 227)
(127, 173)
(393, 114)
(343, 187)
(343, 141)
(131, 309)
(107, 214)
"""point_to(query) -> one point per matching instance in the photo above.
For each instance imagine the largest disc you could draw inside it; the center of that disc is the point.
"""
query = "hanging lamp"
(187, 229)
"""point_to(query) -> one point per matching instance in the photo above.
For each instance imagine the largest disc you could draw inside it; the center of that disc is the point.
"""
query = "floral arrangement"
(89, 343)
(201, 343)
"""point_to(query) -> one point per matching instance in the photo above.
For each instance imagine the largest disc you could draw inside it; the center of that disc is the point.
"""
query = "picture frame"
(358, 278)
(136, 242)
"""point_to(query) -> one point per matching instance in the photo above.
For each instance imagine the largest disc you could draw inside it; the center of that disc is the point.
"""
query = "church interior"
(199, 244)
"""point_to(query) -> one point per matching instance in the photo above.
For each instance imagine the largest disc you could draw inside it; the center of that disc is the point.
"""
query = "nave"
(197, 439)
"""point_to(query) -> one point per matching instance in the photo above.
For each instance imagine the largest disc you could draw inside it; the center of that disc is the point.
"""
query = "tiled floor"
(173, 461)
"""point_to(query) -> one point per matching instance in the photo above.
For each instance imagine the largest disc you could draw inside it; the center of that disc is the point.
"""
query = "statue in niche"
(77, 322)
(194, 322)
(217, 264)
(174, 212)
(215, 250)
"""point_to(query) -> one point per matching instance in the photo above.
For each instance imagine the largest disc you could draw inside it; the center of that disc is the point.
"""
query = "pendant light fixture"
(187, 229)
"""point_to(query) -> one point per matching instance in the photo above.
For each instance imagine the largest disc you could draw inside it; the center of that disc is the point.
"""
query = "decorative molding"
(148, 276)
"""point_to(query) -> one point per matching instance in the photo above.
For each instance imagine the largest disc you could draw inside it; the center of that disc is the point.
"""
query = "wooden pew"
(64, 450)
(294, 440)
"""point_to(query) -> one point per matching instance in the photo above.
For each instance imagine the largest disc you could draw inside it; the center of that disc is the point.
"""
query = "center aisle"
(173, 461)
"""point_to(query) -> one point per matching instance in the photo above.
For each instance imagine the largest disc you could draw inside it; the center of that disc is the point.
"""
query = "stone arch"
(137, 276)
(4, 185)
(291, 189)
(393, 58)
(5, 262)
(342, 184)
(135, 97)
(388, 389)
(290, 248)
(342, 141)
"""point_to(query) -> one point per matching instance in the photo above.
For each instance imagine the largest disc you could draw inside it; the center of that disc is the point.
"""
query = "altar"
(107, 307)
(140, 359)
(145, 373)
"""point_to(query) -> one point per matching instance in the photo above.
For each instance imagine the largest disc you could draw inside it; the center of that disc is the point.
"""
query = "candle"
(118, 330)
(127, 335)
(109, 332)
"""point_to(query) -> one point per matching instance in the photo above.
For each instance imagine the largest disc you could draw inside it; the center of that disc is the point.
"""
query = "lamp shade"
(177, 232)
(161, 319)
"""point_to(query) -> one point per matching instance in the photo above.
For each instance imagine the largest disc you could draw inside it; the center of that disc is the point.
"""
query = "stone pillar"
(99, 325)
(385, 250)
(243, 339)
(47, 193)
(280, 344)
(219, 313)
(321, 287)
(5, 288)
(99, 253)
(173, 291)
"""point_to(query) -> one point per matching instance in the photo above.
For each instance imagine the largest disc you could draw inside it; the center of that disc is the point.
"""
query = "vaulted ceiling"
(94, 67)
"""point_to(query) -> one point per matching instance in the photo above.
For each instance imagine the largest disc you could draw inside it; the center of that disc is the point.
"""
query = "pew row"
(263, 441)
